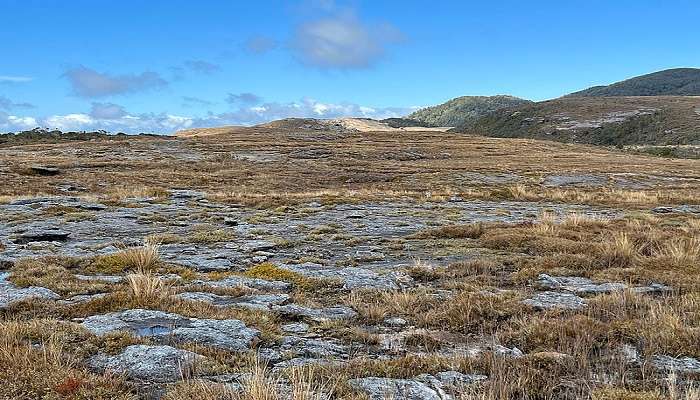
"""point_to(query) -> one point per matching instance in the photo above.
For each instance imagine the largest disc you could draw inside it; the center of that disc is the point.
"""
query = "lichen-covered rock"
(682, 364)
(549, 299)
(315, 348)
(159, 364)
(229, 334)
(585, 286)
(398, 389)
(254, 302)
(10, 293)
(316, 314)
(244, 281)
(352, 277)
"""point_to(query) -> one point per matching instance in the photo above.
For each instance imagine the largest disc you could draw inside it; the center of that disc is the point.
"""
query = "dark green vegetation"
(610, 121)
(464, 109)
(670, 82)
(39, 135)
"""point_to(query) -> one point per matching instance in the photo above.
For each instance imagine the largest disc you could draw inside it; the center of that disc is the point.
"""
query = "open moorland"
(280, 262)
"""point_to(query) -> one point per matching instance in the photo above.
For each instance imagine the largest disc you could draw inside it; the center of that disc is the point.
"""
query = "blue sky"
(160, 66)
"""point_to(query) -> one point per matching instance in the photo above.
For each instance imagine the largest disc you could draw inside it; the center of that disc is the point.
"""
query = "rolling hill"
(670, 82)
(613, 121)
(463, 109)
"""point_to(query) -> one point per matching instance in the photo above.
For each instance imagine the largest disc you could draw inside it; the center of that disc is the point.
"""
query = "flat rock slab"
(262, 302)
(10, 293)
(160, 364)
(229, 334)
(313, 348)
(251, 283)
(682, 364)
(549, 299)
(585, 286)
(316, 314)
(398, 389)
(352, 278)
(40, 235)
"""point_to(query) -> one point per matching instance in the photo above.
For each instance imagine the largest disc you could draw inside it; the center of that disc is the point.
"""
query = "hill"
(618, 121)
(671, 82)
(463, 109)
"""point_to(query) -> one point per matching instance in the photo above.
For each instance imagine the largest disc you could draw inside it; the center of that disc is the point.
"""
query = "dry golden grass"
(37, 364)
(146, 288)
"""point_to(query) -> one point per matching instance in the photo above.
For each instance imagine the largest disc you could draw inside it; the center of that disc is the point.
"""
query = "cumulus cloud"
(114, 118)
(342, 42)
(7, 104)
(87, 82)
(260, 44)
(304, 108)
(243, 98)
(202, 67)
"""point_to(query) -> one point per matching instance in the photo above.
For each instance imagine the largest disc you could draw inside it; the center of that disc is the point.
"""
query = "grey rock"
(313, 348)
(577, 284)
(395, 322)
(682, 364)
(256, 302)
(10, 293)
(229, 334)
(148, 363)
(251, 283)
(41, 235)
(45, 170)
(81, 298)
(549, 299)
(458, 379)
(103, 278)
(295, 327)
(352, 278)
(316, 314)
(397, 389)
(258, 245)
(585, 286)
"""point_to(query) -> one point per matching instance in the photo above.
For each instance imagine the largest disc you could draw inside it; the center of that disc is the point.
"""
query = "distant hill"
(463, 109)
(617, 121)
(671, 82)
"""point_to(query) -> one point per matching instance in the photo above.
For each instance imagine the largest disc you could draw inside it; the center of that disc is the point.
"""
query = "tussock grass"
(146, 288)
(38, 364)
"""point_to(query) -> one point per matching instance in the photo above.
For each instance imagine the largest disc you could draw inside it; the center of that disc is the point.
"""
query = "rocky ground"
(504, 283)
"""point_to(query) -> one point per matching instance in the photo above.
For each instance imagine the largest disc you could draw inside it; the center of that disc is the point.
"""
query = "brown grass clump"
(620, 251)
(49, 369)
(146, 288)
(52, 273)
(469, 231)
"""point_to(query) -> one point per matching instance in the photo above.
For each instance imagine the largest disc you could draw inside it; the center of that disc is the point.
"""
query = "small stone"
(229, 221)
(458, 379)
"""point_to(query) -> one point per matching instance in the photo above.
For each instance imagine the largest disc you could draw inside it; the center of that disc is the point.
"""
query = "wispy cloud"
(259, 44)
(243, 99)
(191, 101)
(202, 67)
(15, 79)
(7, 104)
(87, 82)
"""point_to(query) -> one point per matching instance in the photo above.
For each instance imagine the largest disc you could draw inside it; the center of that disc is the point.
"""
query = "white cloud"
(113, 118)
(342, 41)
(87, 82)
(15, 79)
